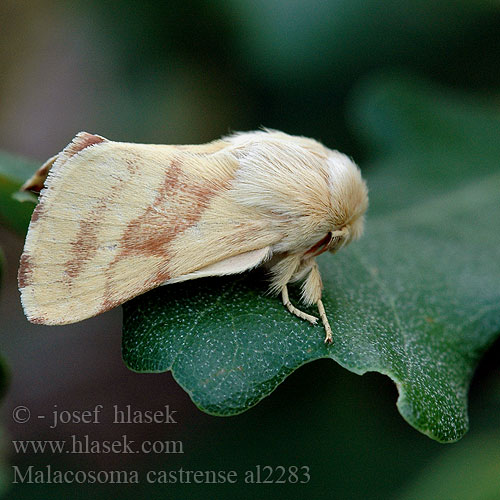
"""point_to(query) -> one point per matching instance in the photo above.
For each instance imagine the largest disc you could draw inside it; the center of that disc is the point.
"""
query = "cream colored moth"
(116, 219)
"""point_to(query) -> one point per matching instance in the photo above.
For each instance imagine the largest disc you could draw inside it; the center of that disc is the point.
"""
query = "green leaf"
(416, 299)
(15, 213)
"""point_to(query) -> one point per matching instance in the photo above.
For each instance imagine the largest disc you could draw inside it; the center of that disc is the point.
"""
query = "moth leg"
(311, 294)
(37, 180)
(326, 324)
(294, 310)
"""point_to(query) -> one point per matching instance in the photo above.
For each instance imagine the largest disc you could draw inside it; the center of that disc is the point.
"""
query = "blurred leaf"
(13, 172)
(337, 40)
(25, 197)
(461, 473)
(416, 299)
(425, 140)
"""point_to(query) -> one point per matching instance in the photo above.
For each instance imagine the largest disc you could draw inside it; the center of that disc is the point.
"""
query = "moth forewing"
(117, 219)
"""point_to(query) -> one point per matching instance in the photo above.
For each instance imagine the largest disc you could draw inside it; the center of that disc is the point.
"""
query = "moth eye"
(321, 246)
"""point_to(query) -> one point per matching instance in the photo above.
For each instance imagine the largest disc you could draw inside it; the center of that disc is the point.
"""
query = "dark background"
(188, 71)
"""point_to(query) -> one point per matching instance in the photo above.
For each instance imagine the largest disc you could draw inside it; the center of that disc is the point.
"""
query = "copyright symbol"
(21, 414)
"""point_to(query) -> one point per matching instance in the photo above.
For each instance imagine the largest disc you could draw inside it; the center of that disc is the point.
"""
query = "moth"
(116, 219)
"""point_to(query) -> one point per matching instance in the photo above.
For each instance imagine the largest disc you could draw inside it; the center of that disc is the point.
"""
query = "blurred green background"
(188, 71)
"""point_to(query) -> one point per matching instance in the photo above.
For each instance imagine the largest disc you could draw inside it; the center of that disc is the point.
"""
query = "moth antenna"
(339, 232)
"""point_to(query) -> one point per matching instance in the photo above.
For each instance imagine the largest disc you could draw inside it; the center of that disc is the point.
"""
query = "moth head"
(349, 200)
(343, 236)
(337, 238)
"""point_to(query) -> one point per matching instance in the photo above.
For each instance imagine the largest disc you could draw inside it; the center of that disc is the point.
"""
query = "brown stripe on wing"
(179, 205)
(25, 271)
(84, 247)
(81, 141)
